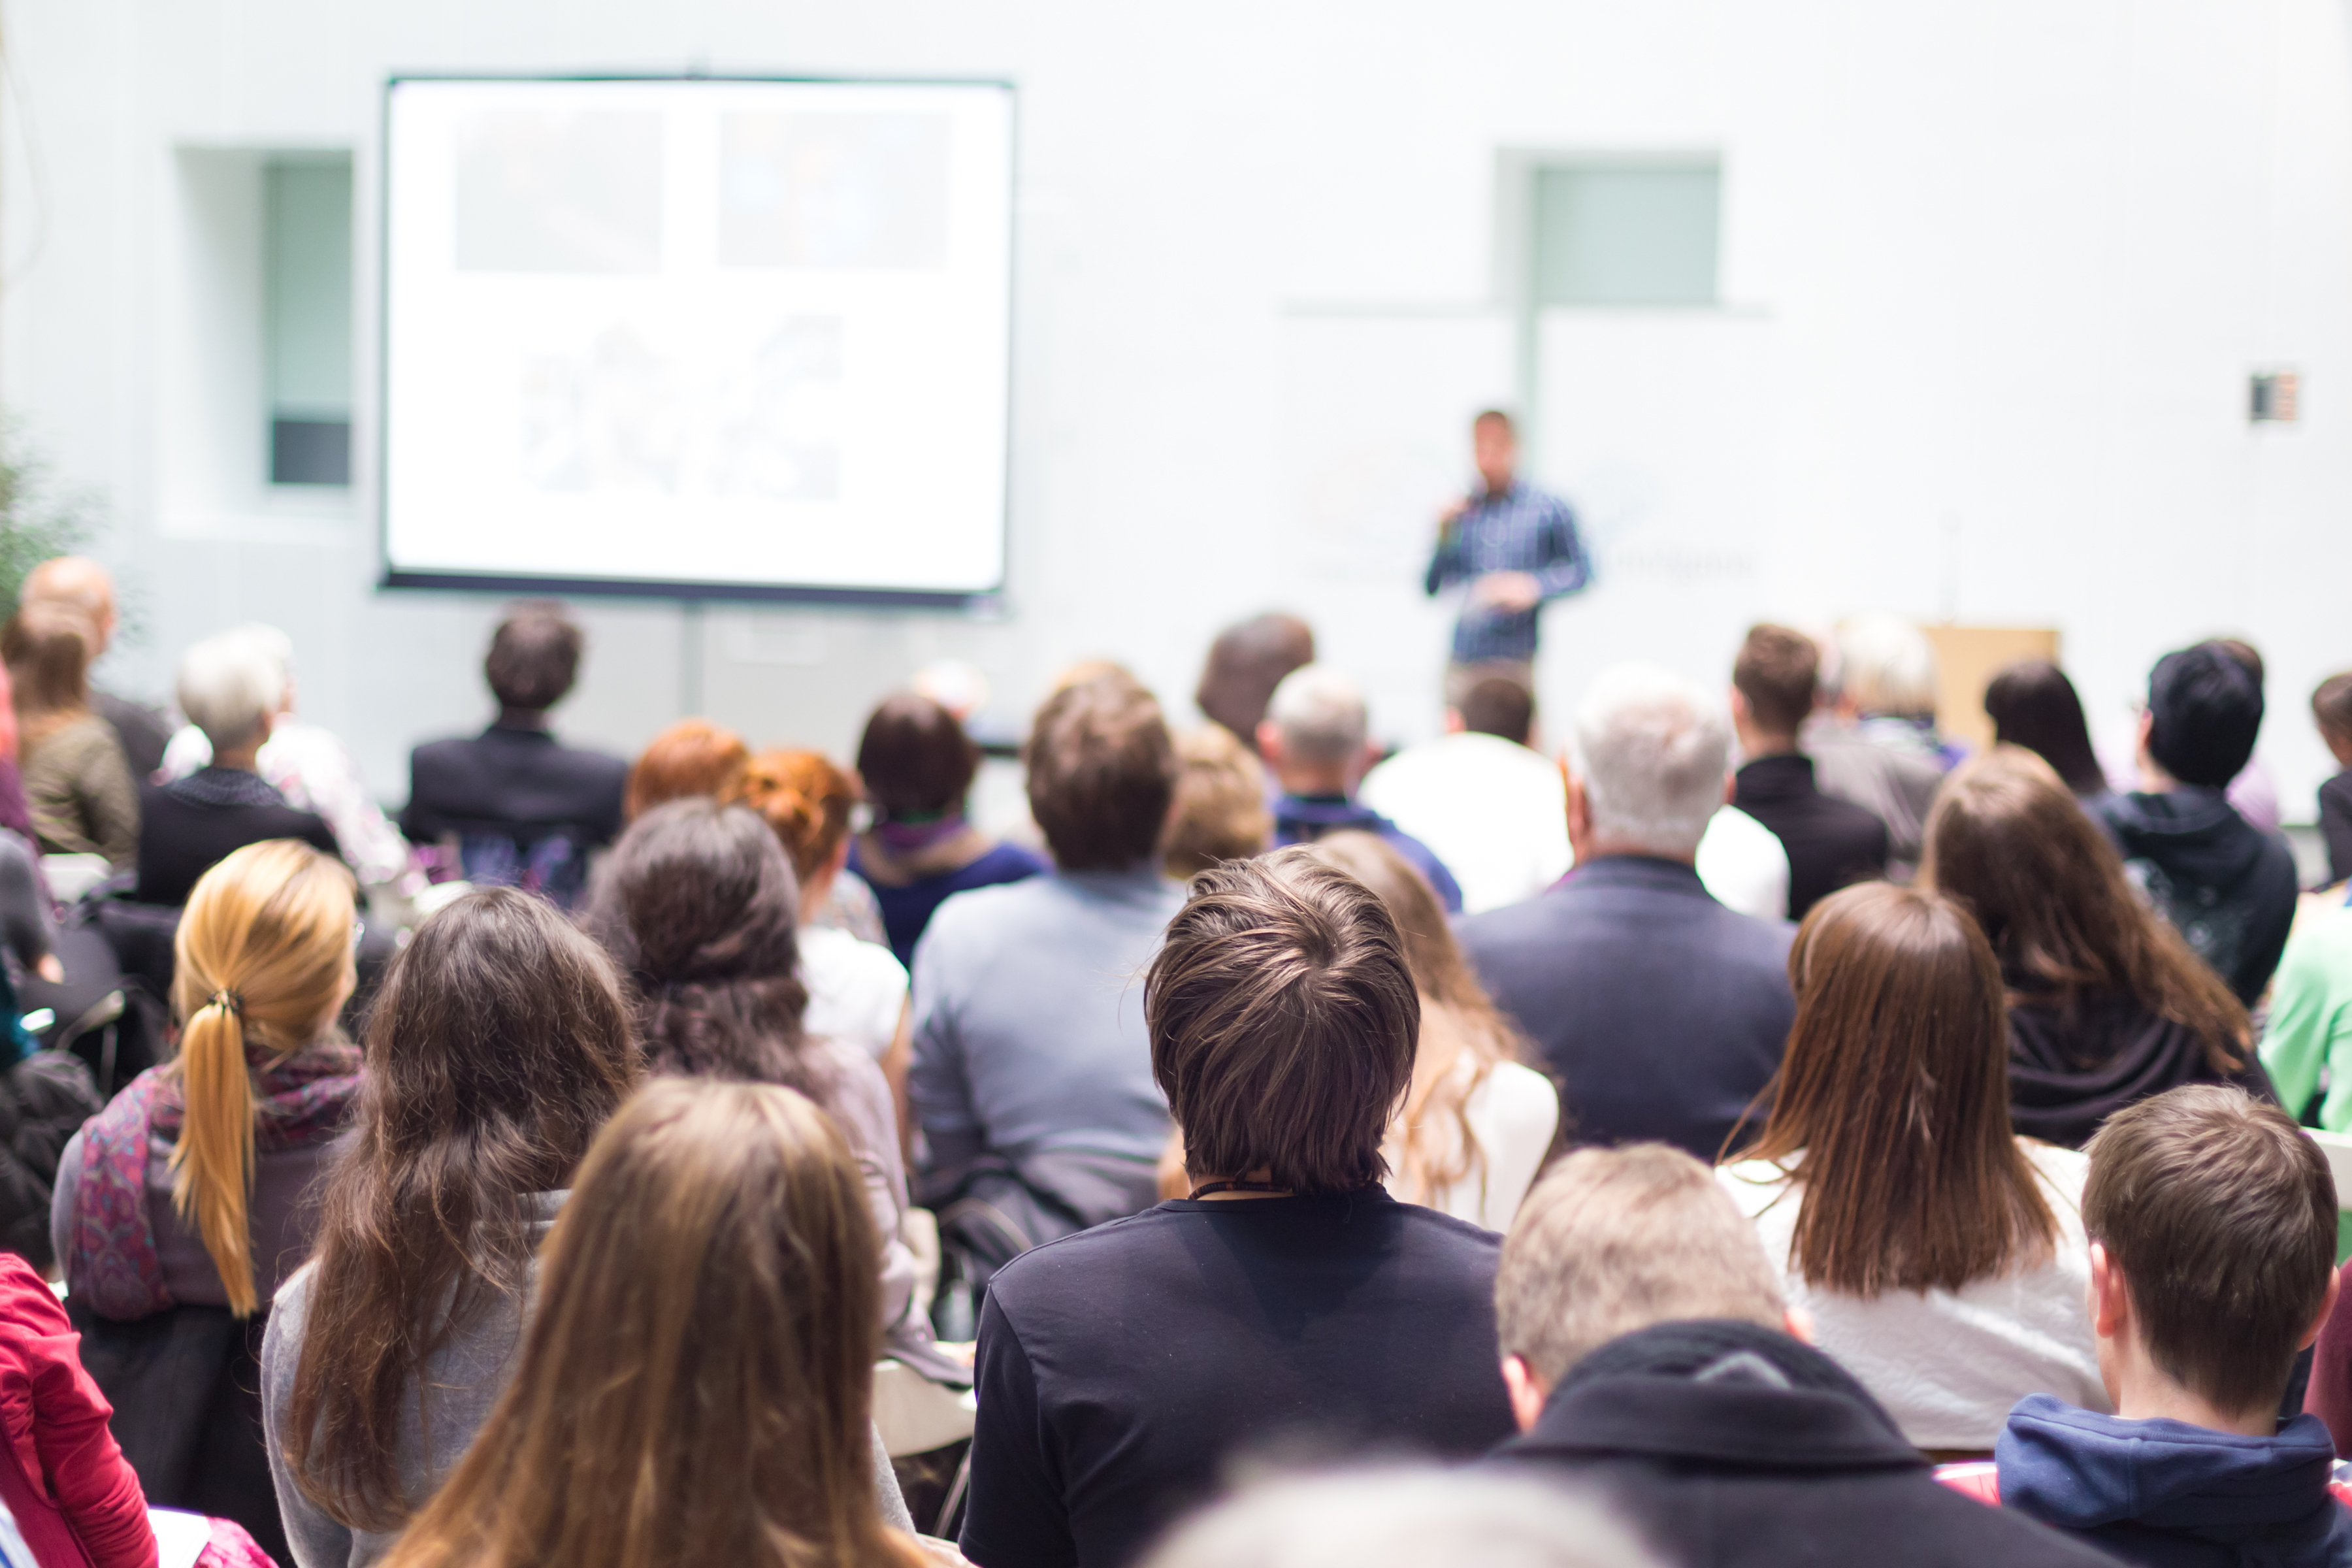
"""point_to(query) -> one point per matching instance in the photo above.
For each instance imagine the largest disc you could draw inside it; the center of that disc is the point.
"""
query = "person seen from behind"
(1832, 843)
(2031, 704)
(2331, 708)
(1316, 740)
(80, 792)
(1220, 813)
(1245, 663)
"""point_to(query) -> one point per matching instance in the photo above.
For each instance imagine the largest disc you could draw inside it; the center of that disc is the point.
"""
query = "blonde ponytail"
(263, 958)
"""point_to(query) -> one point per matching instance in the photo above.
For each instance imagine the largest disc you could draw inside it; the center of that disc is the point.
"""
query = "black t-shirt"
(1122, 1369)
(188, 826)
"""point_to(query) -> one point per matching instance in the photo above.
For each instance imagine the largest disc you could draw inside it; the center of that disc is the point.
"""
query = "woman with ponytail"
(184, 1195)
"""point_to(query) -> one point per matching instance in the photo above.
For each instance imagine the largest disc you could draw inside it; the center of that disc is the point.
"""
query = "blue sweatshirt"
(2171, 1495)
(1304, 818)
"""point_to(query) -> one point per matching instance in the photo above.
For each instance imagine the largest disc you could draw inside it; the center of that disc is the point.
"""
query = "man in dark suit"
(1832, 843)
(1661, 1013)
(519, 808)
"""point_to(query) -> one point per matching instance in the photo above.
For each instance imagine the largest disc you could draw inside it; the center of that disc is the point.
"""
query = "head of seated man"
(2212, 1225)
(533, 660)
(233, 687)
(1650, 766)
(1496, 706)
(2204, 710)
(1314, 735)
(1247, 662)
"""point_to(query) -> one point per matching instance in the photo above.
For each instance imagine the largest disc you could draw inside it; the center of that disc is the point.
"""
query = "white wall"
(1995, 273)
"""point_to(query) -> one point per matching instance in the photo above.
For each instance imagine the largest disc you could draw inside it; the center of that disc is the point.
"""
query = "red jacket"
(73, 1494)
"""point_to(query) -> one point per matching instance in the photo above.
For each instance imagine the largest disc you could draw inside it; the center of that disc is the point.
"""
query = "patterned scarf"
(298, 1101)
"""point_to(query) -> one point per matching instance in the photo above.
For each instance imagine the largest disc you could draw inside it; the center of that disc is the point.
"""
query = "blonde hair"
(1221, 812)
(263, 957)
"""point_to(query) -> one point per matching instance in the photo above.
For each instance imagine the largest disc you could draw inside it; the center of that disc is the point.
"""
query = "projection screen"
(733, 338)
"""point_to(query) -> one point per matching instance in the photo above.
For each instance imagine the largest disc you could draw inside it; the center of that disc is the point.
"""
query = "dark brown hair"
(2034, 705)
(2331, 705)
(915, 758)
(1247, 662)
(699, 908)
(48, 646)
(696, 1386)
(497, 1046)
(1102, 772)
(534, 657)
(2222, 1215)
(805, 799)
(1777, 671)
(1895, 1091)
(2008, 840)
(1499, 705)
(693, 756)
(1282, 1021)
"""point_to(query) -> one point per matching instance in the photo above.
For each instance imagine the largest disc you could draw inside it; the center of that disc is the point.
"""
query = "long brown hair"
(696, 1385)
(48, 646)
(2008, 840)
(1451, 1000)
(498, 1046)
(1895, 1091)
(263, 957)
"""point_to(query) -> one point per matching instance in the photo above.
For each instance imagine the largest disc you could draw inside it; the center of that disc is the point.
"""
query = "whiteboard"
(736, 337)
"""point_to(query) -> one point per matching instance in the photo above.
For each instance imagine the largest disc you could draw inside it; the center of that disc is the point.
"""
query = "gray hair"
(1320, 713)
(1886, 665)
(1402, 1518)
(232, 682)
(1651, 749)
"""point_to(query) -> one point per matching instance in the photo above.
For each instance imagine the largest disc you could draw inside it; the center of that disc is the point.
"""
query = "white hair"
(1651, 749)
(1320, 713)
(1403, 1518)
(1886, 665)
(231, 683)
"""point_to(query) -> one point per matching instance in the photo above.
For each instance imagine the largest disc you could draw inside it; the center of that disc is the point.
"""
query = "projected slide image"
(624, 417)
(559, 193)
(833, 190)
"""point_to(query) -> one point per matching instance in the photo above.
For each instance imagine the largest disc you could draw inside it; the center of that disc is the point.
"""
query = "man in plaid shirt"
(1517, 548)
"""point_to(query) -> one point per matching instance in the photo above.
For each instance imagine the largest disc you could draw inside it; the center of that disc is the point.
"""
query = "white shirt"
(1949, 1364)
(1513, 1115)
(316, 772)
(1495, 812)
(1745, 865)
(856, 989)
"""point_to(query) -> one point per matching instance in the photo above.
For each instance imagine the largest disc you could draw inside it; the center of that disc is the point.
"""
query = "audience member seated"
(1873, 741)
(696, 1380)
(513, 806)
(231, 691)
(1289, 1301)
(1940, 1257)
(2106, 1003)
(1476, 1124)
(45, 1098)
(179, 1209)
(692, 757)
(2034, 705)
(77, 786)
(1315, 742)
(1486, 805)
(1655, 1367)
(1832, 843)
(2230, 888)
(1247, 662)
(497, 1045)
(1661, 1013)
(311, 769)
(2308, 1040)
(78, 583)
(1400, 1517)
(2254, 791)
(918, 764)
(856, 990)
(1220, 811)
(2331, 706)
(70, 1497)
(2212, 1225)
(1032, 1076)
(699, 908)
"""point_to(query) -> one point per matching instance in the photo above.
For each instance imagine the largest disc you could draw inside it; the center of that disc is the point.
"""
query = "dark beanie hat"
(2204, 706)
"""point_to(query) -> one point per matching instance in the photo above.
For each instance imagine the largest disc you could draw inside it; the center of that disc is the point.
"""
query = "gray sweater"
(467, 1375)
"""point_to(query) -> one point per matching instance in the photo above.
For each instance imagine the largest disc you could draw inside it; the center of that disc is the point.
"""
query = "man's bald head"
(79, 581)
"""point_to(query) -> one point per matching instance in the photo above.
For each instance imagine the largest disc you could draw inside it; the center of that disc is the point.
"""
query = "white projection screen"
(731, 338)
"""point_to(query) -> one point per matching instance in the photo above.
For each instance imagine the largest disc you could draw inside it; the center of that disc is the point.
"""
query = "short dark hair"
(1499, 705)
(2331, 705)
(1102, 772)
(1777, 671)
(1282, 1021)
(1247, 662)
(534, 657)
(2222, 1215)
(915, 758)
(2204, 708)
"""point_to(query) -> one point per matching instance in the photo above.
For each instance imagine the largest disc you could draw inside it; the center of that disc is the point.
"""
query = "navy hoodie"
(2171, 1495)
(1304, 818)
(2227, 885)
